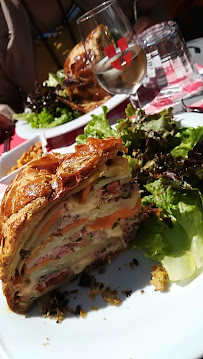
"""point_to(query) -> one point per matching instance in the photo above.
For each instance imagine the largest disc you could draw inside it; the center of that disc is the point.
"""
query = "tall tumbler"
(170, 67)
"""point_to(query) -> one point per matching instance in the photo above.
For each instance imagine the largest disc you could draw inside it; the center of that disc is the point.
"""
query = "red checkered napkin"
(158, 104)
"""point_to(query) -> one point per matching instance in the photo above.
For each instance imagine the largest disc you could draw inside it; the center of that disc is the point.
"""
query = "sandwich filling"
(95, 220)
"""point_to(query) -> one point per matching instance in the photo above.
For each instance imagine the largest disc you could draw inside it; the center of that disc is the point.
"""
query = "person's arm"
(16, 54)
(10, 96)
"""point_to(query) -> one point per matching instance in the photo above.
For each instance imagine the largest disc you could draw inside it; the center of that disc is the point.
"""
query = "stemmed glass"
(113, 49)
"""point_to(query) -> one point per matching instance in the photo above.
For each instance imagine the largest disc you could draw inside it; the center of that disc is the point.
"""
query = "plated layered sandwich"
(83, 91)
(61, 214)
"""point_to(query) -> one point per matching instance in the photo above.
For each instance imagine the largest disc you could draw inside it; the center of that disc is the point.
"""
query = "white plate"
(149, 325)
(187, 119)
(24, 130)
(9, 159)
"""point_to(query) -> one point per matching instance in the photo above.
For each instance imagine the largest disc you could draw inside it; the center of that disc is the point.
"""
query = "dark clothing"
(189, 17)
(31, 45)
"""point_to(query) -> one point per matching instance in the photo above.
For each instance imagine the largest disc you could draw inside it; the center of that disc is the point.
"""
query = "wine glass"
(135, 10)
(117, 58)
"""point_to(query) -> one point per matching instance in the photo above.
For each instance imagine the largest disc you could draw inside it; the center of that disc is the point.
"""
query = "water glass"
(170, 67)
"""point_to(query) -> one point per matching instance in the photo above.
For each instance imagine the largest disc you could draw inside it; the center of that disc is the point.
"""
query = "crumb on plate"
(83, 313)
(94, 291)
(159, 278)
(94, 308)
(109, 296)
(59, 315)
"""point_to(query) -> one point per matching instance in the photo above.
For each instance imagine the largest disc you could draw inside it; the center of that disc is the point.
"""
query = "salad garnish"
(44, 109)
(167, 163)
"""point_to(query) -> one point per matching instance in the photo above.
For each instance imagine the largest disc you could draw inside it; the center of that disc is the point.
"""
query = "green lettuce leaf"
(55, 79)
(98, 127)
(189, 137)
(175, 239)
(30, 117)
(149, 134)
(45, 119)
(160, 123)
(133, 162)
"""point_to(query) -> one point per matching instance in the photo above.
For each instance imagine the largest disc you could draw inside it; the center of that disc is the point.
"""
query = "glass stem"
(134, 99)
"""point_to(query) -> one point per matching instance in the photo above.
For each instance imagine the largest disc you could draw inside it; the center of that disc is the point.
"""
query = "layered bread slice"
(61, 214)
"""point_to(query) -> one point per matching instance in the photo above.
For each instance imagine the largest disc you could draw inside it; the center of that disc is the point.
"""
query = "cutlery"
(191, 108)
(8, 134)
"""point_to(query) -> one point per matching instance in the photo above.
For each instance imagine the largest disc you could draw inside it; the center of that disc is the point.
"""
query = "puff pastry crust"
(82, 88)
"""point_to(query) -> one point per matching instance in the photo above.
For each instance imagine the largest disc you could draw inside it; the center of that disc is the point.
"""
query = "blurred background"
(141, 13)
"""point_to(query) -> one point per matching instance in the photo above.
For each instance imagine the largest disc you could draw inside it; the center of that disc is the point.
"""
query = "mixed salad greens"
(167, 163)
(45, 110)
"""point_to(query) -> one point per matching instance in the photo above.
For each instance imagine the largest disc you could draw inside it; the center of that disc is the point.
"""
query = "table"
(116, 113)
(69, 138)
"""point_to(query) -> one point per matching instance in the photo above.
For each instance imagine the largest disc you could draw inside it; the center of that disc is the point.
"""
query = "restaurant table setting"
(147, 99)
(153, 72)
